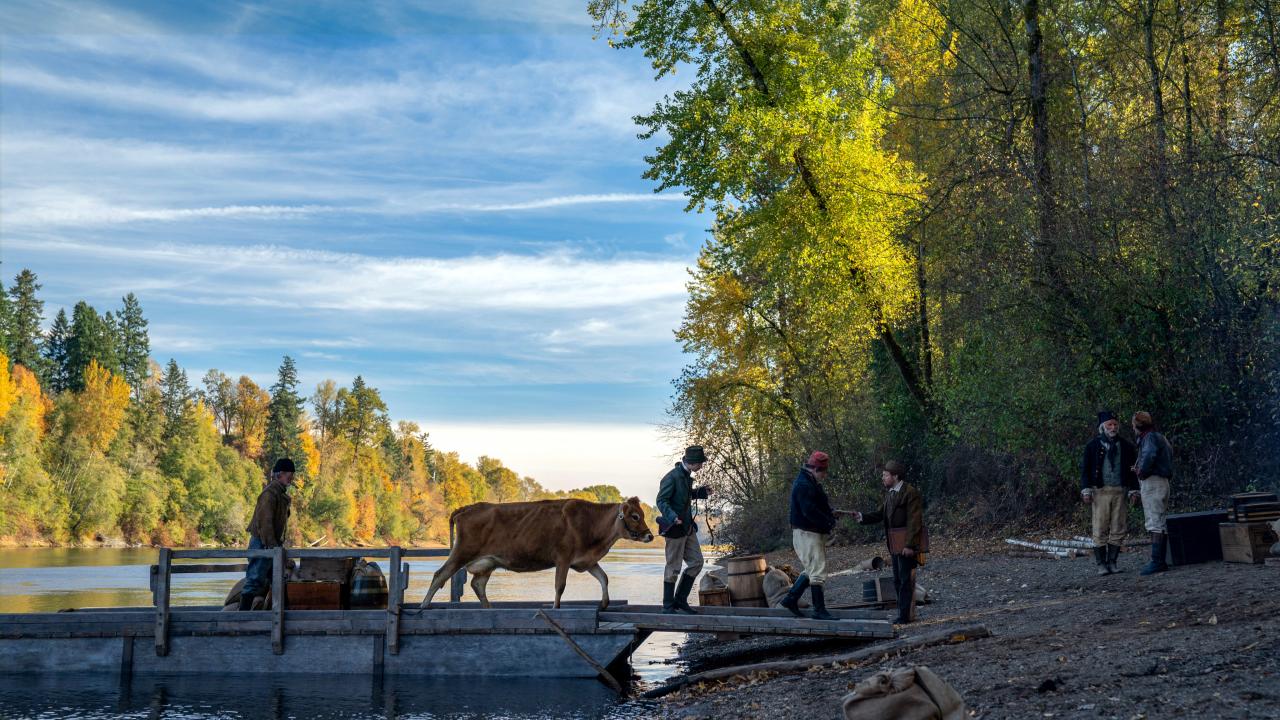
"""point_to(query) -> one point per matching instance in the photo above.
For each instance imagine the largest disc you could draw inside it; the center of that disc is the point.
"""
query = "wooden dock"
(525, 639)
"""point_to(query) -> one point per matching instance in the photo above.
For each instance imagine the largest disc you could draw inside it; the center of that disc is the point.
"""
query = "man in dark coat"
(1154, 469)
(1106, 478)
(903, 517)
(812, 520)
(675, 523)
(266, 531)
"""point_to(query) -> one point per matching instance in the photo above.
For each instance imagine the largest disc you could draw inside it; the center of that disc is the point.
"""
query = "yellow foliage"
(8, 389)
(312, 454)
(31, 401)
(100, 407)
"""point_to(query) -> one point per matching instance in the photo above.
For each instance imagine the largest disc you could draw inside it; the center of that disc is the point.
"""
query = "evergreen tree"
(26, 312)
(57, 346)
(91, 339)
(284, 420)
(132, 345)
(175, 400)
(363, 415)
(6, 319)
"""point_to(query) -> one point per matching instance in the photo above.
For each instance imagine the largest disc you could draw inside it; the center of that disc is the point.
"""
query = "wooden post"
(162, 602)
(395, 595)
(278, 600)
(457, 585)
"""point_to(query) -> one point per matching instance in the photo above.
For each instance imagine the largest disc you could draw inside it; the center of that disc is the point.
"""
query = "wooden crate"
(1246, 542)
(718, 598)
(314, 596)
(325, 569)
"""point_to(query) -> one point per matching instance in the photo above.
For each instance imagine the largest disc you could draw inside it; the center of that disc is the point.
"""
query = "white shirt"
(896, 487)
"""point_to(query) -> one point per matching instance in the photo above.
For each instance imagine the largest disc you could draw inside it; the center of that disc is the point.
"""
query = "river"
(46, 580)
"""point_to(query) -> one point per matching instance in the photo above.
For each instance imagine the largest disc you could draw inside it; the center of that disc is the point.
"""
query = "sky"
(444, 197)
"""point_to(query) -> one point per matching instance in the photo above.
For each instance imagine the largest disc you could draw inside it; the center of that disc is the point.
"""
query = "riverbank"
(1200, 641)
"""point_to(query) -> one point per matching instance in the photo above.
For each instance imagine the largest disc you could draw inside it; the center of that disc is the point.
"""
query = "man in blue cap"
(1106, 477)
(266, 531)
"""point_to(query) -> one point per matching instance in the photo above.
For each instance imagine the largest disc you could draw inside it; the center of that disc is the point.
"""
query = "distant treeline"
(96, 439)
(951, 232)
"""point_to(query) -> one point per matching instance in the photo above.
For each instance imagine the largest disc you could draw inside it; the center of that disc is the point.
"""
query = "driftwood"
(940, 637)
(604, 674)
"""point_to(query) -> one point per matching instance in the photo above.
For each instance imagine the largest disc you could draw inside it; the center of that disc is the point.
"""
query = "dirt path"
(1201, 641)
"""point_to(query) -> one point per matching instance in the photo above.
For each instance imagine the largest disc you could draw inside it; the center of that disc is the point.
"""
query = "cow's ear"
(633, 501)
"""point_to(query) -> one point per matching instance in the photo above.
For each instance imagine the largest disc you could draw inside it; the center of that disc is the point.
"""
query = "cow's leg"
(597, 572)
(481, 570)
(562, 575)
(441, 577)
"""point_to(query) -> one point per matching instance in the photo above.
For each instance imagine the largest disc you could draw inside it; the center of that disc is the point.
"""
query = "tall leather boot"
(681, 599)
(1159, 544)
(668, 597)
(1100, 557)
(792, 600)
(246, 601)
(819, 603)
(1113, 558)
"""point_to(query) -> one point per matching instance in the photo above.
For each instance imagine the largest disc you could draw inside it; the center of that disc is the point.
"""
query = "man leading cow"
(676, 524)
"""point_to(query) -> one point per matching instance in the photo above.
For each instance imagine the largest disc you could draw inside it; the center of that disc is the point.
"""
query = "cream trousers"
(811, 549)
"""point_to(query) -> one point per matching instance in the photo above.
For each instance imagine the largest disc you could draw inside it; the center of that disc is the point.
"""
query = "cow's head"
(633, 524)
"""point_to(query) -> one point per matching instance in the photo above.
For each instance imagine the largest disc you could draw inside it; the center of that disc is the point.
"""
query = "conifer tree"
(175, 399)
(26, 312)
(91, 339)
(133, 348)
(57, 346)
(284, 420)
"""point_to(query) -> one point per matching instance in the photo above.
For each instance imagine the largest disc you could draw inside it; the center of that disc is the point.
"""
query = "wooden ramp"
(861, 624)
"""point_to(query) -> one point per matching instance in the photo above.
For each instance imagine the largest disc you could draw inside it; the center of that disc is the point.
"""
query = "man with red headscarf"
(812, 520)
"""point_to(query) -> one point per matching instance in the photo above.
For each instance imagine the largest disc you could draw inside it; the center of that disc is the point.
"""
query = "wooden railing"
(397, 582)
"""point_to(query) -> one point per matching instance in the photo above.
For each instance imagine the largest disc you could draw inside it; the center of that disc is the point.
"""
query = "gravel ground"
(1200, 641)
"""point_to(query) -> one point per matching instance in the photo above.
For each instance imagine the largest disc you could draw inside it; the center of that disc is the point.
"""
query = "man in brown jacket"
(266, 530)
(903, 518)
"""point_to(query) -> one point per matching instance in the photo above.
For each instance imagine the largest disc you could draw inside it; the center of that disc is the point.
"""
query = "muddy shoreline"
(1200, 641)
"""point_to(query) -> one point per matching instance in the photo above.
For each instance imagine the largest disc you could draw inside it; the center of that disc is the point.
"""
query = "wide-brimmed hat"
(694, 454)
(893, 467)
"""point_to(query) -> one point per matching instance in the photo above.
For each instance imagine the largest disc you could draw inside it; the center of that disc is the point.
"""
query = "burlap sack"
(715, 578)
(914, 693)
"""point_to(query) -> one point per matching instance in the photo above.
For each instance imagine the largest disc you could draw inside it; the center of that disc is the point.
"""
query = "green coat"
(675, 500)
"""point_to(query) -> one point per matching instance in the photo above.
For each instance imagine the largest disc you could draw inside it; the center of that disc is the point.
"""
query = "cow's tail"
(453, 516)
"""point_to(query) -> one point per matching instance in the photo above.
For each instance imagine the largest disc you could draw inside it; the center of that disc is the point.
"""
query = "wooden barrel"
(369, 589)
(746, 580)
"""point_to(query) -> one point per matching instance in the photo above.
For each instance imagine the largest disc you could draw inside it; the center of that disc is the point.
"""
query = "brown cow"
(531, 536)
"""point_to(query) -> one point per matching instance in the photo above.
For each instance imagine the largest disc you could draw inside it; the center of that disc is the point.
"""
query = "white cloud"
(315, 279)
(564, 456)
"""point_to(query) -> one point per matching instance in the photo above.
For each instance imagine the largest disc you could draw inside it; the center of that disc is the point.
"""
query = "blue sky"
(445, 197)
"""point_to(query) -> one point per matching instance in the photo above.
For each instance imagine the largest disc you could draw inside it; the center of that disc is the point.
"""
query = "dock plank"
(713, 610)
(753, 625)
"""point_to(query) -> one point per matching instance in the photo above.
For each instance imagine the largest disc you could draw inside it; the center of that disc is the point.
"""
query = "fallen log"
(1085, 545)
(1033, 554)
(939, 637)
(1042, 548)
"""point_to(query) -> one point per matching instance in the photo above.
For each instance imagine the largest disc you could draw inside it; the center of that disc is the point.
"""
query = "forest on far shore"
(99, 441)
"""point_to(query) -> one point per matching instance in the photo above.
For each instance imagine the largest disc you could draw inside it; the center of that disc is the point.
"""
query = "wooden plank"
(610, 680)
(753, 625)
(208, 567)
(715, 611)
(126, 657)
(162, 602)
(425, 552)
(505, 604)
(278, 601)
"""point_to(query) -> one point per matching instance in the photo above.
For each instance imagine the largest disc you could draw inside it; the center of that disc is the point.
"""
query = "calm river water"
(45, 580)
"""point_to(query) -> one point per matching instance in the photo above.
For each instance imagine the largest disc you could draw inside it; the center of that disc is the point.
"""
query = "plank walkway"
(753, 621)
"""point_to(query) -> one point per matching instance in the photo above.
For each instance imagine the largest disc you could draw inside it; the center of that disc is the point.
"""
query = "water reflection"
(250, 697)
